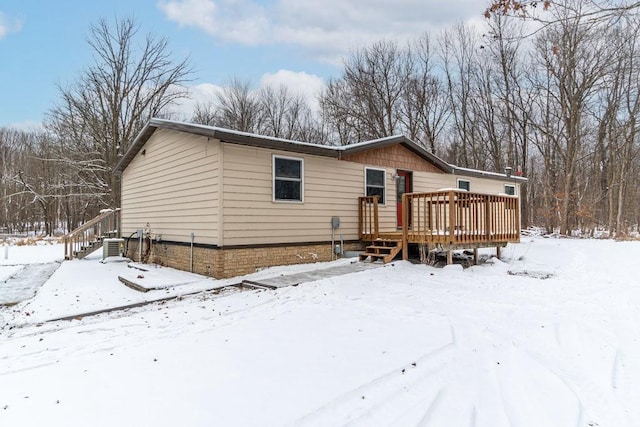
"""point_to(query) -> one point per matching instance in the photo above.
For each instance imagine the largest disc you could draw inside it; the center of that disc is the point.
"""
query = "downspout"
(191, 256)
(333, 247)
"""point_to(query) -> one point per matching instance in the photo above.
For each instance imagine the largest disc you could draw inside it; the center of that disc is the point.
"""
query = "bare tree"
(205, 113)
(129, 82)
(33, 188)
(287, 115)
(271, 111)
(237, 107)
(458, 49)
(595, 9)
(619, 108)
(424, 109)
(577, 57)
(370, 92)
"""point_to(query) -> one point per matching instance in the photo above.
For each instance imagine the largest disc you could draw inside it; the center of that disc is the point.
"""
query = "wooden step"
(87, 249)
(382, 249)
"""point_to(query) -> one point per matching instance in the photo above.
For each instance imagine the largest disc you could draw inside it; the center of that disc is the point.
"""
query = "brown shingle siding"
(395, 156)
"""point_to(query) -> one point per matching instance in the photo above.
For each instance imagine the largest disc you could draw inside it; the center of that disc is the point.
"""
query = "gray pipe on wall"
(191, 257)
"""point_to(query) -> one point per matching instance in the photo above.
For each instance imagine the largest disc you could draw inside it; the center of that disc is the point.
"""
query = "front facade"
(225, 203)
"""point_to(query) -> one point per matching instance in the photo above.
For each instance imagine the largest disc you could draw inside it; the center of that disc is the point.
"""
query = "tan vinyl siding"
(487, 186)
(428, 182)
(331, 188)
(174, 188)
(424, 182)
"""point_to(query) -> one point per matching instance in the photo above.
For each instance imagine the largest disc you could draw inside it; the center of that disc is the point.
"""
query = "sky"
(299, 43)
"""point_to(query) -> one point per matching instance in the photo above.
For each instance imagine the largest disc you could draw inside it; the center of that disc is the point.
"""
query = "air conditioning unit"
(112, 247)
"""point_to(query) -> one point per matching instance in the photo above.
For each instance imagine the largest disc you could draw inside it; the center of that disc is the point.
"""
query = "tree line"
(555, 97)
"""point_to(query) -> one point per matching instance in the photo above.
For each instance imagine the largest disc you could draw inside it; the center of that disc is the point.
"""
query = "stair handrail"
(78, 235)
(368, 226)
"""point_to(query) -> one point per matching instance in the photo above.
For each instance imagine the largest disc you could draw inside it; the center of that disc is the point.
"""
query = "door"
(404, 184)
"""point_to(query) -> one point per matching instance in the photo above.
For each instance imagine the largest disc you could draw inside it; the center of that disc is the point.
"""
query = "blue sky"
(295, 42)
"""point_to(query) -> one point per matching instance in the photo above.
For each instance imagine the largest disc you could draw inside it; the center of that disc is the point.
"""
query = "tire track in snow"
(569, 374)
(625, 373)
(427, 417)
(584, 390)
(371, 400)
(25, 283)
(617, 375)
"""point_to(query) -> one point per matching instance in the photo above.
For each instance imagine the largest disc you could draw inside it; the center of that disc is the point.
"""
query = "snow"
(41, 252)
(547, 336)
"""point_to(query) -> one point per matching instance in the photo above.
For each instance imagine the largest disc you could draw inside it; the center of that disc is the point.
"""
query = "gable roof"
(253, 140)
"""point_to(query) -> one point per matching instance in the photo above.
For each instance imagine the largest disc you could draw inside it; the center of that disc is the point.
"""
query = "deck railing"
(459, 217)
(368, 227)
(107, 224)
(447, 218)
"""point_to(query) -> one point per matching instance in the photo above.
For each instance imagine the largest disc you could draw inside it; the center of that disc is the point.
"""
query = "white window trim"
(463, 180)
(515, 193)
(273, 179)
(384, 183)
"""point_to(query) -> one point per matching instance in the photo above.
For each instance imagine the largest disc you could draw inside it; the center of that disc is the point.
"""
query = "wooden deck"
(446, 220)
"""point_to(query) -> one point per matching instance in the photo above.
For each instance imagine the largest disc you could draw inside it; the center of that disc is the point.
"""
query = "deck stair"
(382, 249)
(87, 248)
(88, 237)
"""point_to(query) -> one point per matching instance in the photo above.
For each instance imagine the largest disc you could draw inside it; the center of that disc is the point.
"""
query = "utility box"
(335, 222)
(112, 247)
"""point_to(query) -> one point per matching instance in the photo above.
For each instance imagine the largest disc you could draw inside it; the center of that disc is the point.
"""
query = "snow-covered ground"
(42, 251)
(549, 336)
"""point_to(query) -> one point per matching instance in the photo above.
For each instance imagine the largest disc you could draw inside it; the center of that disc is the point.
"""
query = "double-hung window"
(288, 181)
(375, 183)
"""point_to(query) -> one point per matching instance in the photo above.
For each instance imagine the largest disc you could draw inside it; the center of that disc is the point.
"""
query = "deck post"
(405, 227)
(360, 218)
(449, 256)
(498, 252)
(375, 218)
(487, 217)
(452, 219)
(475, 256)
(518, 219)
(68, 250)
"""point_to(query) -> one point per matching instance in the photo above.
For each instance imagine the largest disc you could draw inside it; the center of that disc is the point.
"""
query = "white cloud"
(27, 126)
(8, 25)
(241, 21)
(327, 29)
(200, 94)
(308, 85)
(196, 13)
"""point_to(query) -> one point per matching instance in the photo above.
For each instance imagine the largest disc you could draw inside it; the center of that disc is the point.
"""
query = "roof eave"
(135, 147)
(488, 175)
(407, 143)
(233, 137)
(274, 144)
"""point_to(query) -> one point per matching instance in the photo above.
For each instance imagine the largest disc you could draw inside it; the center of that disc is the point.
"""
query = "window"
(375, 183)
(287, 179)
(463, 184)
(510, 189)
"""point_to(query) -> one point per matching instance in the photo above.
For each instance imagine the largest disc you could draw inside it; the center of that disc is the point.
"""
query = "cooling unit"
(112, 247)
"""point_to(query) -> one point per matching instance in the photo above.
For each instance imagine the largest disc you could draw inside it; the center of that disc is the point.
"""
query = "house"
(224, 203)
